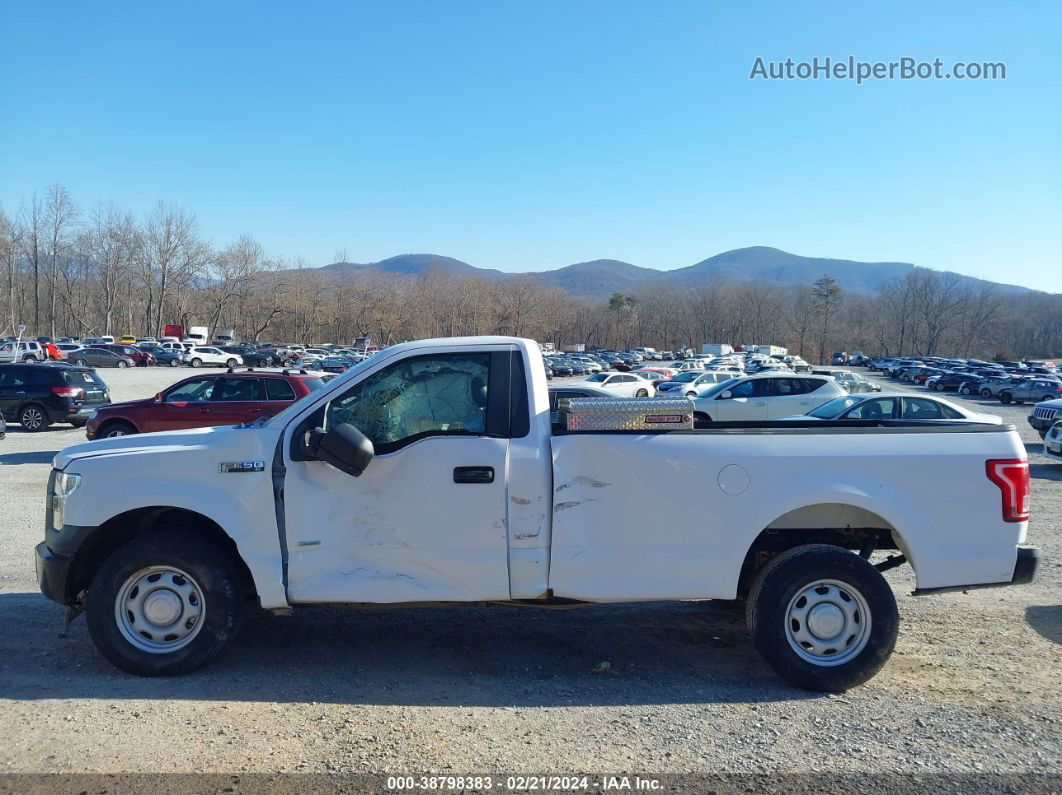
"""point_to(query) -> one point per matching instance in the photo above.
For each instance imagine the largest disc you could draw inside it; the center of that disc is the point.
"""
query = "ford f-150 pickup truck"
(432, 473)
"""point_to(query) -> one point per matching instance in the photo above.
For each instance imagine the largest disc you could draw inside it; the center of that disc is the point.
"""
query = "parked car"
(36, 396)
(1033, 390)
(690, 382)
(253, 357)
(140, 358)
(25, 351)
(204, 400)
(991, 387)
(99, 357)
(199, 355)
(900, 406)
(765, 396)
(1044, 415)
(128, 339)
(1053, 441)
(954, 382)
(67, 348)
(314, 506)
(561, 392)
(623, 384)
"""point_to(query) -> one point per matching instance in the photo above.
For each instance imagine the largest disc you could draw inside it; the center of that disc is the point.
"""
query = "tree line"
(76, 271)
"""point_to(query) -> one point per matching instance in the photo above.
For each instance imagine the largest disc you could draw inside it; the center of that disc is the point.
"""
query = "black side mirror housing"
(344, 447)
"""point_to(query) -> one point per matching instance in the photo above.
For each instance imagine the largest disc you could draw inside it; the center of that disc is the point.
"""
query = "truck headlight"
(65, 484)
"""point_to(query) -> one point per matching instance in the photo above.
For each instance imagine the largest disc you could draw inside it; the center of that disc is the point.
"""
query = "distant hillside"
(599, 277)
(602, 277)
(416, 265)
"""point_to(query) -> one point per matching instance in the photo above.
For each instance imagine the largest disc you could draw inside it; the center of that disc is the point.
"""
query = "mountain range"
(602, 277)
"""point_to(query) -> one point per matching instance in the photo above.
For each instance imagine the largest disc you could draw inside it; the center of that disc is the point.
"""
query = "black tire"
(1005, 397)
(780, 582)
(986, 392)
(940, 387)
(965, 390)
(210, 568)
(123, 363)
(175, 362)
(642, 393)
(116, 428)
(230, 363)
(701, 420)
(80, 363)
(33, 417)
(1048, 397)
(196, 362)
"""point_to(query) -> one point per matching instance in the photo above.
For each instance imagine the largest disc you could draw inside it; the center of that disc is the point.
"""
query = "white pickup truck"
(431, 473)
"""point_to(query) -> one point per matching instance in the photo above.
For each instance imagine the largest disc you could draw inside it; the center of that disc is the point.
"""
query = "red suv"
(216, 399)
(142, 358)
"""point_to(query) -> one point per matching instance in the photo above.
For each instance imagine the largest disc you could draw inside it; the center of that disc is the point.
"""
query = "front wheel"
(965, 391)
(196, 362)
(1047, 397)
(642, 393)
(1005, 397)
(701, 420)
(230, 363)
(940, 387)
(80, 363)
(822, 617)
(123, 363)
(115, 429)
(165, 603)
(986, 392)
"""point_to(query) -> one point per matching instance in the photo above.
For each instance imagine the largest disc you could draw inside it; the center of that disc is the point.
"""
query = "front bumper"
(1026, 566)
(1041, 423)
(53, 573)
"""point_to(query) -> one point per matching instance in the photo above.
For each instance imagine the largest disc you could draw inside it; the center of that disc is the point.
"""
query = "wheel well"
(118, 420)
(836, 524)
(122, 529)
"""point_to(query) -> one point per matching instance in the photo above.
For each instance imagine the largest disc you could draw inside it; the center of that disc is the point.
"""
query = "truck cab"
(431, 472)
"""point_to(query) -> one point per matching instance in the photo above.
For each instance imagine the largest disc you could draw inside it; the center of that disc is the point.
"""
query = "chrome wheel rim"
(159, 609)
(32, 419)
(828, 623)
(115, 432)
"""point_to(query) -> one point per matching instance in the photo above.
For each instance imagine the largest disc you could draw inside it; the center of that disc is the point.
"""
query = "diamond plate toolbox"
(625, 414)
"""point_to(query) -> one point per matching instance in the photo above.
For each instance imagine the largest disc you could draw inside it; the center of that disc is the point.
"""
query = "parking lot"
(973, 686)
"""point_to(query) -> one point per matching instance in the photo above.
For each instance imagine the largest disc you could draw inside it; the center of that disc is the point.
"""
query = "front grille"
(1045, 413)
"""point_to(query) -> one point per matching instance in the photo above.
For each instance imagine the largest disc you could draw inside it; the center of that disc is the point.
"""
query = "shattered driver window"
(445, 393)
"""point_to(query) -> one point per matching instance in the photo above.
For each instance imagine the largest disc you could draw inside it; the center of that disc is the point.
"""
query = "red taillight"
(1012, 477)
(69, 391)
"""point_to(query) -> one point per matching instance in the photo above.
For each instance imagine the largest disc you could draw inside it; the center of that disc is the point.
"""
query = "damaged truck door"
(426, 519)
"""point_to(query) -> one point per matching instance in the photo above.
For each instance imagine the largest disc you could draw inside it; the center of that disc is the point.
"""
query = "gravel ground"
(974, 685)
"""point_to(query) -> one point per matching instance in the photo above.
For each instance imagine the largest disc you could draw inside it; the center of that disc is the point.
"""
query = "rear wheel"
(175, 362)
(940, 387)
(164, 603)
(986, 392)
(230, 363)
(822, 617)
(965, 390)
(33, 418)
(1005, 397)
(1048, 397)
(123, 363)
(116, 428)
(642, 393)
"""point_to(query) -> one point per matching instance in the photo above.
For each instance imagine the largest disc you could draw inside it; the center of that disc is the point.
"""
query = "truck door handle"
(473, 474)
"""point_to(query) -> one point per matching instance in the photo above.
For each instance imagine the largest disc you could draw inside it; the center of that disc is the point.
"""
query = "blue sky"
(530, 136)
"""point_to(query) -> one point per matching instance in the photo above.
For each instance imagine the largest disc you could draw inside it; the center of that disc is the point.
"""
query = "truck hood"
(215, 442)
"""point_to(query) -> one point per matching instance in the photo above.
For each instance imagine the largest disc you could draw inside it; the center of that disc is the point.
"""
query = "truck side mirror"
(344, 447)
